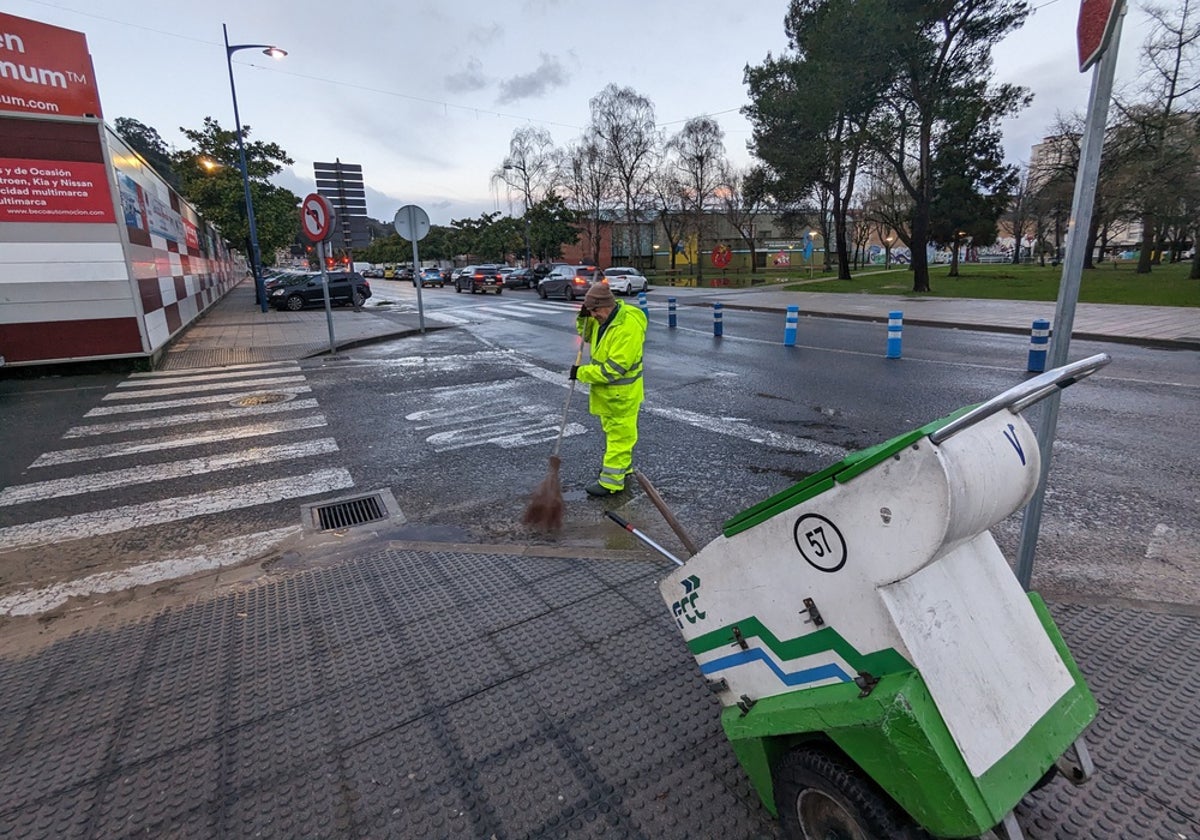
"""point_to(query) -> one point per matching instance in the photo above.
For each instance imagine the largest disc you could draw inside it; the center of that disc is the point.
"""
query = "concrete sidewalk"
(415, 691)
(1161, 326)
(234, 331)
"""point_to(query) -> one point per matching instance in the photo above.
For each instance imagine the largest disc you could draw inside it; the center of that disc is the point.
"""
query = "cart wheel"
(825, 798)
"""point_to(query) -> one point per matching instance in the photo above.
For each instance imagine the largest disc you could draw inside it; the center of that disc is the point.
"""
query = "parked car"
(404, 273)
(389, 272)
(460, 271)
(305, 290)
(570, 281)
(277, 278)
(482, 278)
(520, 278)
(624, 280)
(430, 277)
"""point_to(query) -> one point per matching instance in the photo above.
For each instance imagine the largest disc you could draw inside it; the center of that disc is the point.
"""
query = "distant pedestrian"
(616, 334)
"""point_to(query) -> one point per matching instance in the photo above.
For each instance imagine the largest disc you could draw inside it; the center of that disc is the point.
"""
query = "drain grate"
(264, 398)
(350, 512)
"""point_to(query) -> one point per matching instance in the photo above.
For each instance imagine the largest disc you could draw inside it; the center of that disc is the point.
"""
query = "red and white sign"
(45, 70)
(721, 255)
(1097, 19)
(316, 217)
(54, 191)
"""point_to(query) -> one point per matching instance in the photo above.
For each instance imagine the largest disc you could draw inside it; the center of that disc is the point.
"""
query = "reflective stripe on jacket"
(615, 371)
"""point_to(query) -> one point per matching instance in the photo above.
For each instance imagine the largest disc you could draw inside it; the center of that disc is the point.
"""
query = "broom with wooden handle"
(545, 511)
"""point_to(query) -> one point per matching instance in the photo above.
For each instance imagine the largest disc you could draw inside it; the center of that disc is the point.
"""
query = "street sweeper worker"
(615, 332)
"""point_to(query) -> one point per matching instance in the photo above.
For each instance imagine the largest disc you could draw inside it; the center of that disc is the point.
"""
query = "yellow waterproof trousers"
(620, 435)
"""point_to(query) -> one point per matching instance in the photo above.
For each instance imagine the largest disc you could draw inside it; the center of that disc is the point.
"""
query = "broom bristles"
(545, 511)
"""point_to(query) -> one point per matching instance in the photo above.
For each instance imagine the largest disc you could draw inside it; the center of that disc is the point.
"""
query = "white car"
(624, 280)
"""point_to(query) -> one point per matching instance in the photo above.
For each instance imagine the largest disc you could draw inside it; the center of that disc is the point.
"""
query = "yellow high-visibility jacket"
(615, 372)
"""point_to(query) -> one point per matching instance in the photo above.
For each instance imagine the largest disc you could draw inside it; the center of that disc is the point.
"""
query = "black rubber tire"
(820, 796)
(457, 289)
(358, 300)
(570, 294)
(295, 303)
(498, 291)
(474, 290)
(541, 292)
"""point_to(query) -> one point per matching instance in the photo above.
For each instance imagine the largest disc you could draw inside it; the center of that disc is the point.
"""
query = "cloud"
(469, 79)
(550, 74)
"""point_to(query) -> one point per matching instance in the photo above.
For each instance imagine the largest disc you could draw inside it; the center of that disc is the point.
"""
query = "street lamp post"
(255, 258)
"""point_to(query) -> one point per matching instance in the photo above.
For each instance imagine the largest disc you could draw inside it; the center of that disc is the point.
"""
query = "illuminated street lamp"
(255, 259)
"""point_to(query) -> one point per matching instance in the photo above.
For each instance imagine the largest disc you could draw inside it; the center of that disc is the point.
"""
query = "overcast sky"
(425, 95)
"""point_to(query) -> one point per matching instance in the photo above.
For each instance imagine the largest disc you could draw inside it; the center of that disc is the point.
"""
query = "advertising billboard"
(46, 69)
(53, 191)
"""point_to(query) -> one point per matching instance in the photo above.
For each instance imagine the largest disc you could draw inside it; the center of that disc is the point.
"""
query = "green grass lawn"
(1166, 285)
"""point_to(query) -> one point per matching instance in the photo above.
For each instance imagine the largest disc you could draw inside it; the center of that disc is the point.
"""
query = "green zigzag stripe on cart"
(887, 661)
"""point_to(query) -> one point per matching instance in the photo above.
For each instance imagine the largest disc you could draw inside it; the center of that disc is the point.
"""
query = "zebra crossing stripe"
(506, 310)
(128, 517)
(212, 386)
(99, 482)
(447, 318)
(122, 450)
(202, 558)
(212, 371)
(167, 378)
(208, 399)
(194, 417)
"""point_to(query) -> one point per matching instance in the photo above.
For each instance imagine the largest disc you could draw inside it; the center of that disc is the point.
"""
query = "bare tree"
(698, 153)
(531, 167)
(623, 127)
(743, 197)
(1021, 212)
(1170, 81)
(669, 206)
(587, 181)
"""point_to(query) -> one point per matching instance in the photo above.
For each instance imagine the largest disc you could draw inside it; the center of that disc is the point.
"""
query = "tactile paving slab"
(440, 694)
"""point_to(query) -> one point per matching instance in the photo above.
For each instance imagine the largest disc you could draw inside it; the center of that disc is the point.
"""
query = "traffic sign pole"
(325, 289)
(412, 223)
(316, 223)
(1068, 289)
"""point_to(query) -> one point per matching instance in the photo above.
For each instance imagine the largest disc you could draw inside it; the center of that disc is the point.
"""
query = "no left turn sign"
(316, 218)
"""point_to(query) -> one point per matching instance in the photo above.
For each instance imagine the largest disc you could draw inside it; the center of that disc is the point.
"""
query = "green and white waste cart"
(883, 674)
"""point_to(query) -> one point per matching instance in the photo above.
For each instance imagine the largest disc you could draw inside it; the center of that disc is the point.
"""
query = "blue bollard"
(645, 307)
(718, 325)
(895, 329)
(671, 321)
(790, 324)
(1039, 343)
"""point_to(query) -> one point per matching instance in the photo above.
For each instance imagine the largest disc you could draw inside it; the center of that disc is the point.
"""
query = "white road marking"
(446, 318)
(168, 378)
(744, 431)
(115, 520)
(202, 558)
(208, 399)
(175, 374)
(121, 450)
(195, 417)
(508, 434)
(242, 383)
(98, 482)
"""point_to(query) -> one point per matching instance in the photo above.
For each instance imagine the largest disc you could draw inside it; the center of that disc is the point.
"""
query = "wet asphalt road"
(458, 424)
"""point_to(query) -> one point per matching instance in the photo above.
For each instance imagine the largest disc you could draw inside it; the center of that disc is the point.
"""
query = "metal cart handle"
(1020, 397)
